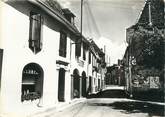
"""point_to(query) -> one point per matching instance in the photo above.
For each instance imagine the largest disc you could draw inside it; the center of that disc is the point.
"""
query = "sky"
(106, 21)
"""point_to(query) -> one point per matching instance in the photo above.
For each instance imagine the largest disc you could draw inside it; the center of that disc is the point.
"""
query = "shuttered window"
(63, 44)
(84, 51)
(78, 48)
(35, 32)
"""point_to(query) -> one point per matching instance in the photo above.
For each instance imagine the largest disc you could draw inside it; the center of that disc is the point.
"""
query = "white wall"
(14, 40)
(15, 36)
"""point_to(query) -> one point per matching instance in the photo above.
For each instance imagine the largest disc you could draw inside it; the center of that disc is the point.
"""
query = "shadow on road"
(129, 107)
(113, 93)
(151, 95)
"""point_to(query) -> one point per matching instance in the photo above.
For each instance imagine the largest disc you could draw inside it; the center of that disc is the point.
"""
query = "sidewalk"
(44, 111)
(59, 107)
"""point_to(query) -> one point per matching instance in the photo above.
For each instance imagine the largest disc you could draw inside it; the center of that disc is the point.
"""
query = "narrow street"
(103, 106)
(82, 58)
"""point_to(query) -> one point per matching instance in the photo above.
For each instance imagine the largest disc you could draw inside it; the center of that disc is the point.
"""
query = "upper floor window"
(84, 51)
(63, 44)
(78, 47)
(35, 32)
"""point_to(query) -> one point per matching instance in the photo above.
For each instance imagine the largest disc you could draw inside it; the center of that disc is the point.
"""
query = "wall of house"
(90, 74)
(1, 24)
(15, 36)
(79, 63)
(17, 54)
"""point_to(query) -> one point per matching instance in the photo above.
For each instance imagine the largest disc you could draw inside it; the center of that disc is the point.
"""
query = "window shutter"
(84, 51)
(35, 41)
(63, 44)
(78, 48)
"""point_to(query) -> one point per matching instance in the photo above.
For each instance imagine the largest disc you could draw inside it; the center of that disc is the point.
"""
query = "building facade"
(97, 68)
(115, 74)
(44, 60)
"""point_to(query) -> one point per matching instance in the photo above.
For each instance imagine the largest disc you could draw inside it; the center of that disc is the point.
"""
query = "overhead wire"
(87, 19)
(91, 16)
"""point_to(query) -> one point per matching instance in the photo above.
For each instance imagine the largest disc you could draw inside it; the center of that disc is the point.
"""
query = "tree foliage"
(148, 47)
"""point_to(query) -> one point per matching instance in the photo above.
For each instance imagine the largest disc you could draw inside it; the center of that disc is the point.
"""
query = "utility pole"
(81, 17)
(81, 37)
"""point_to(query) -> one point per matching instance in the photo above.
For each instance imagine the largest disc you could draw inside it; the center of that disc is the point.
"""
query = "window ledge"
(62, 59)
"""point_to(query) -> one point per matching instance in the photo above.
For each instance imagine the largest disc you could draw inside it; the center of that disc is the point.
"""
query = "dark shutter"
(84, 51)
(63, 44)
(78, 47)
(35, 41)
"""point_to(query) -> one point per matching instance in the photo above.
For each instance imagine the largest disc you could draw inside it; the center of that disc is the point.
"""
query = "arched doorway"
(83, 84)
(61, 85)
(32, 82)
(76, 84)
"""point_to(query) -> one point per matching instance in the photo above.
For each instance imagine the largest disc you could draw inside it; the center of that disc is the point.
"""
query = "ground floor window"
(32, 82)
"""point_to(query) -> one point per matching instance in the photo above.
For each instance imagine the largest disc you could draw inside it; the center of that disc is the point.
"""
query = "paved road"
(110, 103)
(110, 107)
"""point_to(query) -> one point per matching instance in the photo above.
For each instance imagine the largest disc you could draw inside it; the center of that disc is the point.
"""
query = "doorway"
(61, 85)
(83, 85)
(76, 84)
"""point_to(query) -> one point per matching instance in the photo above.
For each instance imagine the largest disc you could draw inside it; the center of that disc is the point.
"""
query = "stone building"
(144, 56)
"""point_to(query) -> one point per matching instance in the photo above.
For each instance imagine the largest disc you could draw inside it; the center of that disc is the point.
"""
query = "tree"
(148, 47)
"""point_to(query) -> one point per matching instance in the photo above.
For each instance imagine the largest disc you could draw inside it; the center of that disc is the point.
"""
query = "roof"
(54, 5)
(157, 13)
(96, 48)
(67, 11)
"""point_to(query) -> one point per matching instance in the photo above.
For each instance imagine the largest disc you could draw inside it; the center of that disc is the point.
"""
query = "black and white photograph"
(82, 58)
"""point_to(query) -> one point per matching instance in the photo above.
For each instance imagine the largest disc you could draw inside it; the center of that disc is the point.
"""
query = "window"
(35, 32)
(32, 82)
(84, 51)
(63, 44)
(78, 47)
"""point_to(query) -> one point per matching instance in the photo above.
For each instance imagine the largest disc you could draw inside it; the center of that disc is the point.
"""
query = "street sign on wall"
(154, 82)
